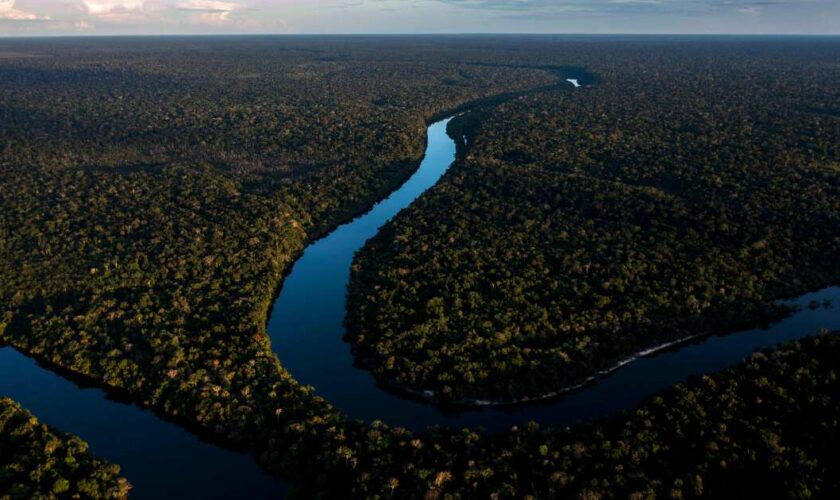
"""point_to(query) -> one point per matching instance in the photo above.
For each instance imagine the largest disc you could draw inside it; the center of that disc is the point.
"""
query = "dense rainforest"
(682, 194)
(765, 428)
(155, 191)
(38, 462)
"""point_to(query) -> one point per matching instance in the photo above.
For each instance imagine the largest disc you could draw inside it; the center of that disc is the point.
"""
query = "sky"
(134, 17)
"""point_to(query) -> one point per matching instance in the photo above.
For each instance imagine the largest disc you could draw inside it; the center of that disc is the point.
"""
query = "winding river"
(306, 327)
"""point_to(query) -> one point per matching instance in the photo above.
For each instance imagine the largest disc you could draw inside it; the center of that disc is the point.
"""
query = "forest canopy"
(154, 191)
(38, 462)
(683, 194)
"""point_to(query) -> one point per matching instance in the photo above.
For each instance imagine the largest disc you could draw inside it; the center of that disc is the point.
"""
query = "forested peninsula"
(38, 462)
(681, 195)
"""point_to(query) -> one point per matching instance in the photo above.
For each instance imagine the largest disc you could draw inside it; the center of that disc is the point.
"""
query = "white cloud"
(134, 12)
(105, 8)
(209, 5)
(8, 12)
(210, 11)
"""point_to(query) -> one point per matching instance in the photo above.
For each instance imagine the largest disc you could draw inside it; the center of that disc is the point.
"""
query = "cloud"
(498, 4)
(208, 6)
(557, 6)
(106, 8)
(210, 11)
(8, 12)
(537, 9)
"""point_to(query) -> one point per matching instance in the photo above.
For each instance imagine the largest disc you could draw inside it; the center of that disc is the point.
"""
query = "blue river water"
(162, 460)
(306, 329)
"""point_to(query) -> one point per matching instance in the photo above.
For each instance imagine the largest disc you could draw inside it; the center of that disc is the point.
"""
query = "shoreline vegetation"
(430, 396)
(155, 199)
(38, 462)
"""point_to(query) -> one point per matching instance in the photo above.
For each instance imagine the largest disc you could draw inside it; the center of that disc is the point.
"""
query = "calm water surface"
(159, 459)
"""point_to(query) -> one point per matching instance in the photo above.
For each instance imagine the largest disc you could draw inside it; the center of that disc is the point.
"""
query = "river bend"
(307, 330)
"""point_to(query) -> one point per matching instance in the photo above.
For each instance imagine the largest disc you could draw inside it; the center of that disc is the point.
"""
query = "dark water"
(306, 329)
(160, 459)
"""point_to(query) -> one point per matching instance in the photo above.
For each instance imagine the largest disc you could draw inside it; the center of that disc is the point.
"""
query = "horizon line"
(424, 34)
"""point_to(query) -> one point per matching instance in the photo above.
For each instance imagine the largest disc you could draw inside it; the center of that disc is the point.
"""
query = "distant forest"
(154, 191)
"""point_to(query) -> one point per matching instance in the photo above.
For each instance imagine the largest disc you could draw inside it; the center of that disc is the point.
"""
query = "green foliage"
(766, 428)
(683, 194)
(37, 462)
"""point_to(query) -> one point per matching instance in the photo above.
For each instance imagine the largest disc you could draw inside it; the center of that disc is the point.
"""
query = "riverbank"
(161, 459)
(37, 461)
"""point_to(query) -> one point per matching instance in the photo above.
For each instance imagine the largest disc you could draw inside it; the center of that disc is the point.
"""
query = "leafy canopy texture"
(38, 462)
(682, 194)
